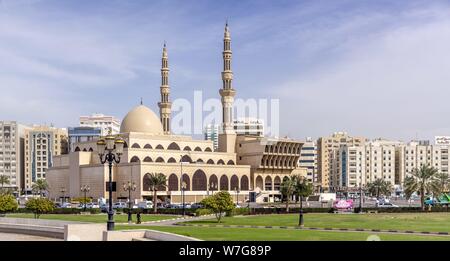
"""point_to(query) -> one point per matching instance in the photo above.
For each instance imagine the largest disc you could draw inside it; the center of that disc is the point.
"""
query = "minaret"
(165, 105)
(227, 138)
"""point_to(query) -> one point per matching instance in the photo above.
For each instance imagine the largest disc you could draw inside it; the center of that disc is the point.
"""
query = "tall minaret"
(227, 138)
(165, 106)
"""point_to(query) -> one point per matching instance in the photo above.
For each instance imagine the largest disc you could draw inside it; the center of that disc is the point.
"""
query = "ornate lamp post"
(129, 186)
(183, 188)
(109, 150)
(237, 191)
(85, 189)
(63, 192)
(212, 187)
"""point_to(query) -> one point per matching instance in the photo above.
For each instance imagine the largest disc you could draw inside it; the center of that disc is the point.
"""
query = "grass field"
(432, 222)
(95, 218)
(262, 234)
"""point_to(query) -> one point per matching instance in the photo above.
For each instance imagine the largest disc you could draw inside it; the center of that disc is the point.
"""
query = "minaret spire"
(165, 105)
(228, 137)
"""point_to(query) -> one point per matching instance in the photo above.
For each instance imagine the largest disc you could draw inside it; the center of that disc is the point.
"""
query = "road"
(21, 237)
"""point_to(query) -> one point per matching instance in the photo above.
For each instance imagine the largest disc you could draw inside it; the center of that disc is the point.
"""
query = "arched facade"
(234, 183)
(224, 183)
(185, 178)
(244, 183)
(276, 183)
(173, 182)
(135, 159)
(268, 183)
(199, 181)
(213, 182)
(146, 182)
(259, 183)
(173, 146)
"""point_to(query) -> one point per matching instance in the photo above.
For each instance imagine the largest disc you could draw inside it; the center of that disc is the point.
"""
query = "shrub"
(219, 203)
(40, 206)
(203, 211)
(8, 203)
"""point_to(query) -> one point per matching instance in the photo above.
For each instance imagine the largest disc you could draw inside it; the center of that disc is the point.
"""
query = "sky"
(370, 68)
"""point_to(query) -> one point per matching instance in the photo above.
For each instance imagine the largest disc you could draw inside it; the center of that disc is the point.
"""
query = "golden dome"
(141, 119)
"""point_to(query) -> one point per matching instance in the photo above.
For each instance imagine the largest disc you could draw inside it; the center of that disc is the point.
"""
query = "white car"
(387, 205)
(120, 205)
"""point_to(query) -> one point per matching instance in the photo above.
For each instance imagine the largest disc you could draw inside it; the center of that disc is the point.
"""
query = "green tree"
(8, 203)
(40, 186)
(420, 181)
(39, 206)
(156, 181)
(219, 204)
(379, 187)
(440, 183)
(303, 188)
(288, 189)
(3, 180)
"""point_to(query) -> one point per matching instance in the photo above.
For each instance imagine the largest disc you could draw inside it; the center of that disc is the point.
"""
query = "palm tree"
(379, 187)
(440, 183)
(287, 189)
(302, 189)
(40, 186)
(4, 180)
(421, 181)
(156, 181)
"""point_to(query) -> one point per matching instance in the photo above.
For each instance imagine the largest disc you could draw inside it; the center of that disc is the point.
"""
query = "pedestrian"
(138, 218)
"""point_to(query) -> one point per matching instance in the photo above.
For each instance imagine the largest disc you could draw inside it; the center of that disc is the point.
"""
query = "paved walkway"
(21, 237)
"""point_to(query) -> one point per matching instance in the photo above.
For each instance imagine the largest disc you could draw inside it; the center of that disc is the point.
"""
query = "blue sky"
(371, 68)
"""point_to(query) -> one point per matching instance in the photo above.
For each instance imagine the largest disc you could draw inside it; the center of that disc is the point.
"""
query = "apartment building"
(42, 143)
(212, 133)
(308, 159)
(104, 122)
(249, 126)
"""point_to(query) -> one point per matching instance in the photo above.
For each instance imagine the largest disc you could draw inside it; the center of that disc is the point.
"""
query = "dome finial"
(142, 102)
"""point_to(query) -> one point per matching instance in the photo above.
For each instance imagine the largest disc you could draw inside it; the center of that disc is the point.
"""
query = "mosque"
(241, 165)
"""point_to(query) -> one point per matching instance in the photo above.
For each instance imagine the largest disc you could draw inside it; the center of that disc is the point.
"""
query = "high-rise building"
(12, 153)
(41, 144)
(308, 159)
(326, 155)
(82, 134)
(249, 126)
(212, 133)
(104, 122)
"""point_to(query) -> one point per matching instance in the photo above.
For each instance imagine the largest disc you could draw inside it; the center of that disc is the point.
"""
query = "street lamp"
(361, 195)
(236, 189)
(129, 187)
(183, 188)
(212, 186)
(63, 192)
(109, 150)
(85, 189)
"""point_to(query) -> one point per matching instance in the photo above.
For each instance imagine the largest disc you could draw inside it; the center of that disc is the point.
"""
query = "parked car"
(145, 205)
(120, 205)
(387, 205)
(196, 205)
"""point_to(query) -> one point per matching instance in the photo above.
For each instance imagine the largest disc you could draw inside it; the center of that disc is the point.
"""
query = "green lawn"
(95, 218)
(433, 222)
(262, 234)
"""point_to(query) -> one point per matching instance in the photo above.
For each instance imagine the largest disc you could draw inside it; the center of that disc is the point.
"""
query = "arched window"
(173, 146)
(135, 159)
(146, 182)
(148, 159)
(85, 150)
(185, 178)
(91, 150)
(186, 158)
(213, 184)
(244, 183)
(171, 160)
(230, 162)
(200, 161)
(77, 149)
(268, 183)
(276, 183)
(199, 181)
(220, 162)
(187, 148)
(197, 149)
(125, 145)
(234, 183)
(159, 159)
(148, 146)
(259, 182)
(159, 147)
(208, 149)
(173, 182)
(210, 161)
(135, 146)
(224, 183)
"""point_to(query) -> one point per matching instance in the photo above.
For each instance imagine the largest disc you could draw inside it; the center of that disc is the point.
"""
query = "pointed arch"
(159, 159)
(148, 159)
(199, 181)
(186, 158)
(197, 149)
(234, 183)
(159, 147)
(268, 183)
(85, 150)
(135, 159)
(77, 149)
(173, 146)
(148, 146)
(224, 182)
(91, 150)
(210, 161)
(230, 162)
(146, 182)
(185, 178)
(135, 146)
(200, 161)
(213, 183)
(259, 183)
(208, 149)
(277, 183)
(187, 148)
(220, 162)
(171, 160)
(244, 183)
(173, 182)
